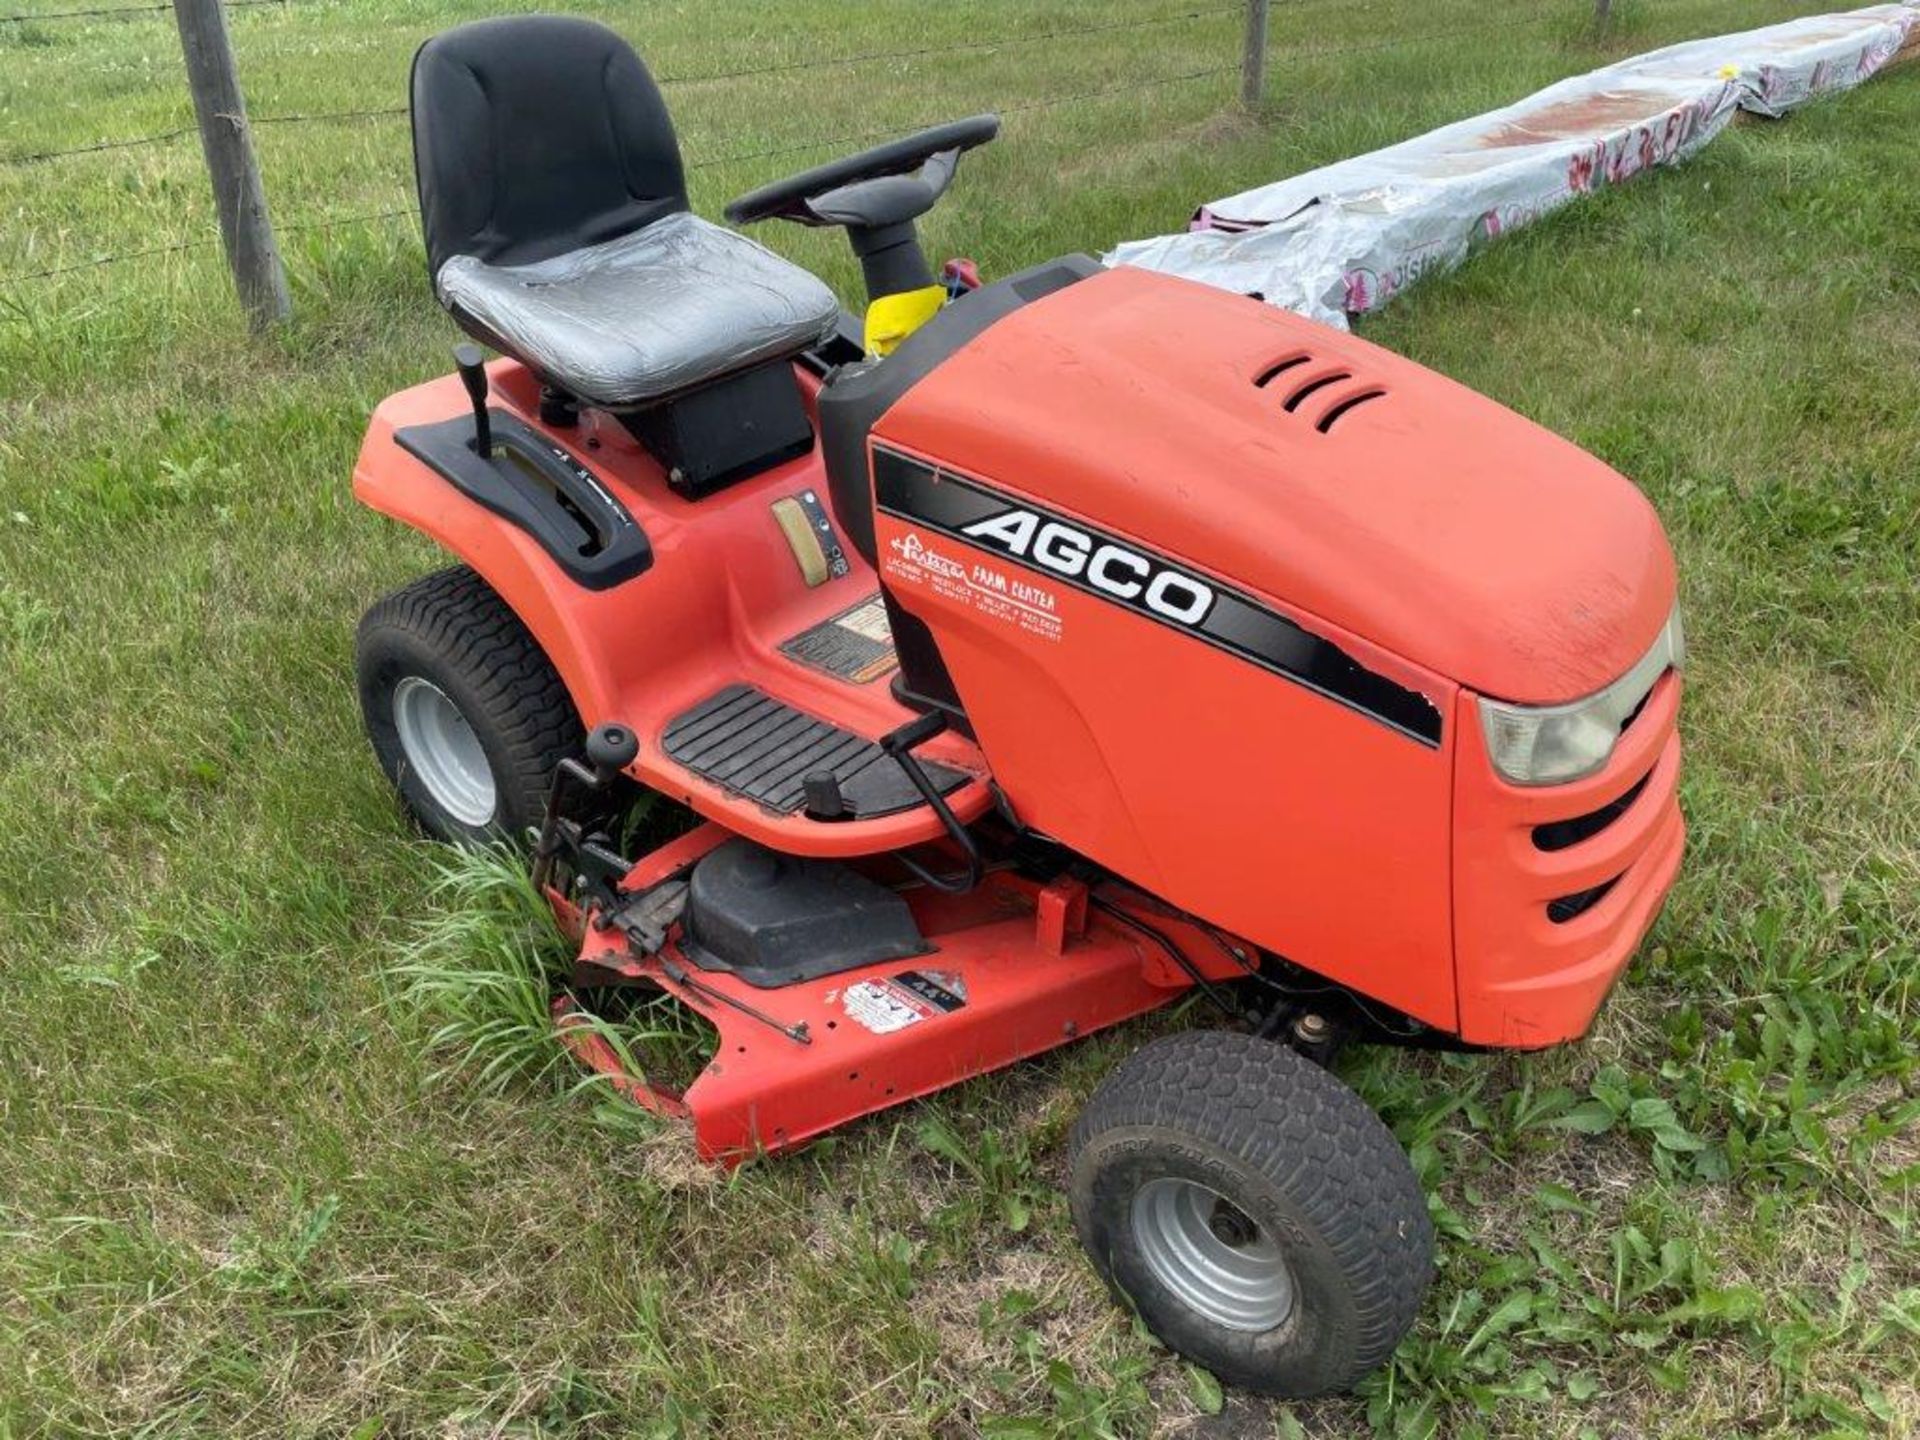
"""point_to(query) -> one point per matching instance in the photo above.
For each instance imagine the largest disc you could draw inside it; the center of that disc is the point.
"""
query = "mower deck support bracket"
(1060, 914)
(646, 918)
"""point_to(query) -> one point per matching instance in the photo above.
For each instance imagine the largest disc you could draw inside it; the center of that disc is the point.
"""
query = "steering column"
(876, 196)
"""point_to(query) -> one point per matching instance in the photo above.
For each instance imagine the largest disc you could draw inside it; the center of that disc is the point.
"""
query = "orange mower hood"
(1326, 474)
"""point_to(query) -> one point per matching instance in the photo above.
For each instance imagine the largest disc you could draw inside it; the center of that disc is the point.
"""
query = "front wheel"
(466, 714)
(1259, 1217)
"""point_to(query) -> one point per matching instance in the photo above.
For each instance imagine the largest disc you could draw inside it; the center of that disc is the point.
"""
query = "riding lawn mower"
(1033, 655)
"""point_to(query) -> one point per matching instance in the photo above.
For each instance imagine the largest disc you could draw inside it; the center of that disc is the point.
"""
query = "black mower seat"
(554, 206)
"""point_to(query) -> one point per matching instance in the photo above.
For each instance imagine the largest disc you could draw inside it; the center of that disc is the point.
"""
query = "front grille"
(1568, 907)
(1550, 902)
(1559, 834)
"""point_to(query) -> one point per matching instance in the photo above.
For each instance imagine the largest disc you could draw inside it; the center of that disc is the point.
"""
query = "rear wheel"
(1259, 1217)
(467, 715)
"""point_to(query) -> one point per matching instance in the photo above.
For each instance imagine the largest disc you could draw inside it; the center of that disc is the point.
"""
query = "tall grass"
(485, 967)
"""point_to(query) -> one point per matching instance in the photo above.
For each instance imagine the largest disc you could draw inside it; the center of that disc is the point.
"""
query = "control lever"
(473, 374)
(824, 800)
(611, 748)
(899, 745)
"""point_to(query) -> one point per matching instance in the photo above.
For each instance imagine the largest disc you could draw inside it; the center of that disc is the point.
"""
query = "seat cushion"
(634, 319)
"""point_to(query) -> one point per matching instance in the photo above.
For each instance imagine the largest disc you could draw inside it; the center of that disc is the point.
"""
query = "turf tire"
(452, 629)
(1300, 1155)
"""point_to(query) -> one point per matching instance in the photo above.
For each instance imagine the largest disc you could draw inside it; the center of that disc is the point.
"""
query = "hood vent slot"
(1279, 368)
(1326, 421)
(1319, 379)
(1319, 383)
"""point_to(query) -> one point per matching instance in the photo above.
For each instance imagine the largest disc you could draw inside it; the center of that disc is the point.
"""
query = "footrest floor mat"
(751, 744)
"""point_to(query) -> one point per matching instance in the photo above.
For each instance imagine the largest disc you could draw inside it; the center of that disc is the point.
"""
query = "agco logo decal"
(935, 502)
(1102, 564)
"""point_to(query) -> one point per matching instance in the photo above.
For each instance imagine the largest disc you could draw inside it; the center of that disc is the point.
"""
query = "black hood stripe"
(1159, 589)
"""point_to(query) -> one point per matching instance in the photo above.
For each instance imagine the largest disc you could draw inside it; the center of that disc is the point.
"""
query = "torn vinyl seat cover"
(635, 319)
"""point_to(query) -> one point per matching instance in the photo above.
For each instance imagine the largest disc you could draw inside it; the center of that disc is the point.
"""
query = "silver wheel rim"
(443, 752)
(1215, 1260)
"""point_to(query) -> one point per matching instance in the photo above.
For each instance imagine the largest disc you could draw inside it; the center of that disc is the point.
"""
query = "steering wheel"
(887, 185)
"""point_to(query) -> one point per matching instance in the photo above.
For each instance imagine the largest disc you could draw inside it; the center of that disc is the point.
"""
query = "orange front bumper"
(1555, 886)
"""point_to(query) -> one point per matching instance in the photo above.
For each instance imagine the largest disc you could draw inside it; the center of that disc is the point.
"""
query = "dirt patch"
(950, 1306)
(670, 1161)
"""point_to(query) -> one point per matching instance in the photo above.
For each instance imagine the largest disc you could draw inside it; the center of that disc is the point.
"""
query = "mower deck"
(1017, 967)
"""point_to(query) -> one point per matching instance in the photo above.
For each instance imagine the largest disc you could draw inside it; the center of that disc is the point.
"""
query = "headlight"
(1545, 745)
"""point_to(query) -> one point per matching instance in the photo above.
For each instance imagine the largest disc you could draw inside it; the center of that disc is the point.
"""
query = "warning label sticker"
(941, 988)
(883, 1007)
(986, 588)
(856, 644)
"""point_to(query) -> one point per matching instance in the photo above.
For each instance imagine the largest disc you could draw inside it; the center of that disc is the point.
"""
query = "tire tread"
(1310, 1135)
(463, 619)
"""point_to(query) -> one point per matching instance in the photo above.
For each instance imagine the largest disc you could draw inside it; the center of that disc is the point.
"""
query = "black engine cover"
(775, 919)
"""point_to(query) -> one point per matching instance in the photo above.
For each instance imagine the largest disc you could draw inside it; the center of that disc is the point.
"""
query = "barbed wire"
(388, 112)
(712, 162)
(100, 260)
(820, 142)
(328, 117)
(1504, 22)
(333, 222)
(200, 243)
(131, 143)
(29, 17)
(999, 42)
(1292, 53)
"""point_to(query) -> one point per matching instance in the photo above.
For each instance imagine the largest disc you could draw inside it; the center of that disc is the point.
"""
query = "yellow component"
(892, 318)
(802, 540)
(1729, 72)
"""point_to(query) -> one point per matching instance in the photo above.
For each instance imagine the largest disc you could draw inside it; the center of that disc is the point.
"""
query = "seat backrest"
(534, 135)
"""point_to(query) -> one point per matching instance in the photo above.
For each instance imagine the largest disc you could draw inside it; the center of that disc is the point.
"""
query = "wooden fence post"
(1253, 63)
(245, 230)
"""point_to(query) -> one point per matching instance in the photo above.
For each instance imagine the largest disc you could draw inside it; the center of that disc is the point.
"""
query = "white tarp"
(1346, 238)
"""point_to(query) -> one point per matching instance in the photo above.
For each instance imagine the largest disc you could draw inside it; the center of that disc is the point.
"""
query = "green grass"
(242, 1189)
